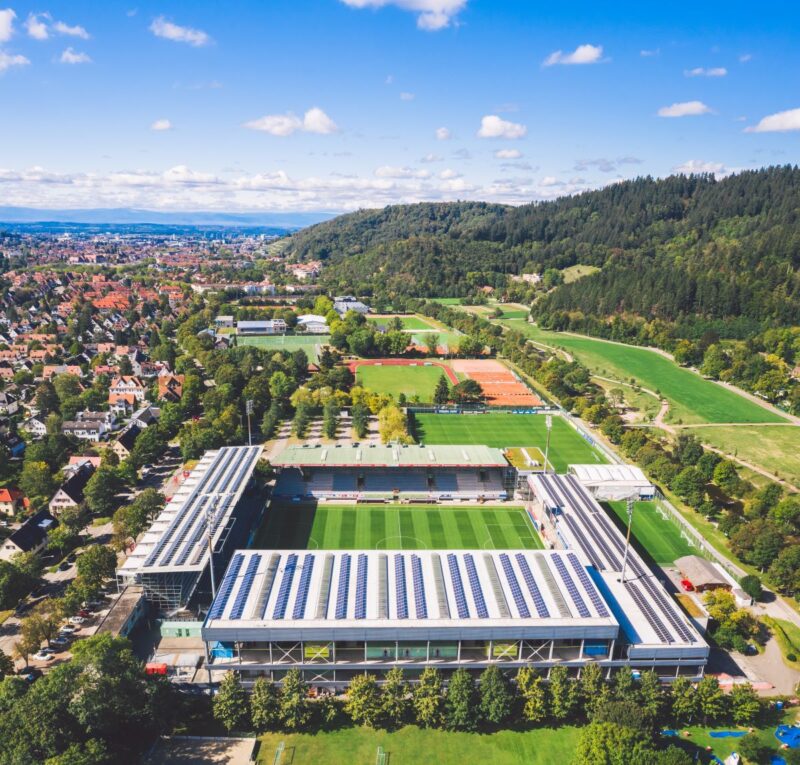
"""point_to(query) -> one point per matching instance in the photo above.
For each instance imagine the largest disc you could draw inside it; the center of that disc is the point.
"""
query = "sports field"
(394, 380)
(660, 538)
(411, 322)
(502, 430)
(692, 399)
(395, 527)
(309, 343)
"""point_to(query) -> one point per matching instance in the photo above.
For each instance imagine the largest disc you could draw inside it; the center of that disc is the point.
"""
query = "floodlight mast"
(209, 535)
(248, 407)
(548, 421)
(627, 539)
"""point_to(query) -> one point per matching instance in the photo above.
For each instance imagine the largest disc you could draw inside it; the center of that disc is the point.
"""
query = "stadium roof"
(372, 455)
(647, 612)
(308, 594)
(613, 481)
(176, 540)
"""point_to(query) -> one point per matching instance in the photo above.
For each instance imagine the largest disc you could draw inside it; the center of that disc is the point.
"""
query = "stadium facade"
(171, 560)
(334, 614)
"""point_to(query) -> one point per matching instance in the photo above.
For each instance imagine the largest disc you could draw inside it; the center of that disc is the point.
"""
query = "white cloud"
(684, 109)
(70, 56)
(7, 61)
(314, 121)
(745, 57)
(780, 122)
(645, 53)
(390, 171)
(605, 165)
(7, 17)
(160, 125)
(406, 96)
(449, 174)
(493, 126)
(432, 14)
(169, 31)
(700, 71)
(508, 154)
(443, 134)
(70, 31)
(583, 54)
(431, 158)
(697, 166)
(36, 25)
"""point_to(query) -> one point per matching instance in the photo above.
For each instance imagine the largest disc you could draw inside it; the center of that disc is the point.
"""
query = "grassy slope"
(661, 539)
(409, 322)
(692, 399)
(503, 430)
(419, 380)
(367, 527)
(775, 448)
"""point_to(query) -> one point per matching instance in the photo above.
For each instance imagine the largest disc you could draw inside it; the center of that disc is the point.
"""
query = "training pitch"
(308, 343)
(502, 430)
(289, 526)
(419, 381)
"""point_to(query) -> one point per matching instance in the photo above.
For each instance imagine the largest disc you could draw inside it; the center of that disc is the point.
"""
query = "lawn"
(775, 448)
(787, 636)
(309, 343)
(692, 399)
(395, 527)
(394, 380)
(450, 339)
(409, 322)
(660, 538)
(420, 746)
(503, 430)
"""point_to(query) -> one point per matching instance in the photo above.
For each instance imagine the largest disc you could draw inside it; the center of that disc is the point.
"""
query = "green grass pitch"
(394, 380)
(658, 537)
(396, 527)
(409, 322)
(308, 343)
(503, 430)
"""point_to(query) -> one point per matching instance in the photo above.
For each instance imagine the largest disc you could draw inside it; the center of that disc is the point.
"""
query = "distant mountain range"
(129, 216)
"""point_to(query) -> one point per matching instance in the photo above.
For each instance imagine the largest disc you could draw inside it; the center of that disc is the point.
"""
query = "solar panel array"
(267, 586)
(588, 585)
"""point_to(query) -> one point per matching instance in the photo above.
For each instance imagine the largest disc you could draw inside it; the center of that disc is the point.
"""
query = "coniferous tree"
(461, 703)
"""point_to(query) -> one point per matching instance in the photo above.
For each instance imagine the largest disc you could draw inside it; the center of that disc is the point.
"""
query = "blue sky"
(338, 104)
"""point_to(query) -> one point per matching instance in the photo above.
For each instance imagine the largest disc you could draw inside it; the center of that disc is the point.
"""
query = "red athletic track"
(451, 375)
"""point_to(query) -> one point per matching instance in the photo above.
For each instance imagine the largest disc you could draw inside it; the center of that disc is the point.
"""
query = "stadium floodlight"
(627, 539)
(209, 535)
(248, 407)
(548, 422)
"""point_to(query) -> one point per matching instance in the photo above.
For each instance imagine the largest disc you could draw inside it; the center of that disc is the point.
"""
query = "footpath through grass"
(692, 399)
(502, 430)
(396, 527)
(421, 746)
(660, 538)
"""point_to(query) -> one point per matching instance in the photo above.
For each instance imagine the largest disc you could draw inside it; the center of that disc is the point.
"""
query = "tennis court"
(396, 527)
(503, 429)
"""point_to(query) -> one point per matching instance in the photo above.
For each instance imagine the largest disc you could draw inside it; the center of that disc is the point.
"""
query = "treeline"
(623, 715)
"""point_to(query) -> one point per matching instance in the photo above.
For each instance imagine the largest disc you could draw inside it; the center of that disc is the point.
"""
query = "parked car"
(68, 630)
(42, 656)
(85, 613)
(60, 641)
(76, 620)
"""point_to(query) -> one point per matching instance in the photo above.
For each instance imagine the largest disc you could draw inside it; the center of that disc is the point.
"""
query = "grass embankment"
(787, 636)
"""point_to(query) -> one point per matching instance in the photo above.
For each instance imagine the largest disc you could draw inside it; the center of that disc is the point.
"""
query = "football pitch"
(502, 430)
(290, 526)
(309, 343)
(658, 537)
(417, 381)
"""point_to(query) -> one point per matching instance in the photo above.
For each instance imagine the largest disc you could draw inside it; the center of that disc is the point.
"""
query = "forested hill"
(665, 248)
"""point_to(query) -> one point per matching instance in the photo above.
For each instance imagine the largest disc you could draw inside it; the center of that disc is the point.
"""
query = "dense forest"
(725, 251)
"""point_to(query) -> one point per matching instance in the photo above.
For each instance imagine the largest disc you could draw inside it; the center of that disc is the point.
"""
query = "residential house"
(70, 493)
(170, 387)
(11, 501)
(34, 426)
(146, 416)
(223, 322)
(123, 446)
(127, 388)
(30, 537)
(8, 403)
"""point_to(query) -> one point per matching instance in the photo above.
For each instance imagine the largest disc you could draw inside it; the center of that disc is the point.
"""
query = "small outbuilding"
(702, 574)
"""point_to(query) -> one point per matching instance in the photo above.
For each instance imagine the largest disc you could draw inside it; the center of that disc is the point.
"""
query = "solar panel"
(475, 586)
(286, 585)
(513, 583)
(572, 589)
(224, 592)
(652, 617)
(361, 587)
(244, 587)
(344, 587)
(420, 606)
(533, 588)
(302, 588)
(588, 585)
(400, 586)
(458, 587)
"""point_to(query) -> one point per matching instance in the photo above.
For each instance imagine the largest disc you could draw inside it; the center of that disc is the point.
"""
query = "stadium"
(372, 557)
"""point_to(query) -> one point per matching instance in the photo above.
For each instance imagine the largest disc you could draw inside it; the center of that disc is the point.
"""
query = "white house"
(30, 537)
(34, 427)
(312, 324)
